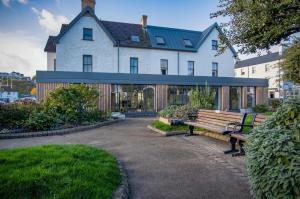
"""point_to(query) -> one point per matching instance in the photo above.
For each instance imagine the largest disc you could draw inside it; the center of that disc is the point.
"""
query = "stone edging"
(123, 190)
(164, 133)
(57, 132)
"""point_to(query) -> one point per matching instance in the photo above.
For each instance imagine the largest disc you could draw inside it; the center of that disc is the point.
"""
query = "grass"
(58, 171)
(168, 128)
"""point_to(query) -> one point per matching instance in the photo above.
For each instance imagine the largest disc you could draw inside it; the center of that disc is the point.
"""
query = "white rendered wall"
(71, 49)
(50, 61)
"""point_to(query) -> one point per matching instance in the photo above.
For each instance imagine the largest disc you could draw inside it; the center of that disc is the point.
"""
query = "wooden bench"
(226, 123)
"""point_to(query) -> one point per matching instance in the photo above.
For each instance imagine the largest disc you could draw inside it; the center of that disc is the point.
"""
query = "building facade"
(143, 68)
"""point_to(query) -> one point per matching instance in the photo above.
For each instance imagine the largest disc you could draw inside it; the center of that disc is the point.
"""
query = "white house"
(88, 44)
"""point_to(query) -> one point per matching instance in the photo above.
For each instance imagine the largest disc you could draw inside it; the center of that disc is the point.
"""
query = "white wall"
(71, 48)
(50, 61)
(272, 74)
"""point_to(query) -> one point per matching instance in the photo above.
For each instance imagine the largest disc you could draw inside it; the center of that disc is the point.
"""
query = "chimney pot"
(144, 21)
(88, 3)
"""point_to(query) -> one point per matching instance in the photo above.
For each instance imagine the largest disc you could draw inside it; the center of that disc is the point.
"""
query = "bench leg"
(242, 151)
(191, 131)
(233, 149)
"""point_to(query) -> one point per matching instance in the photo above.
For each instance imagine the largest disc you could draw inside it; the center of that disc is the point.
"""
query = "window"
(87, 63)
(54, 64)
(266, 67)
(253, 70)
(215, 68)
(134, 65)
(135, 38)
(191, 68)
(164, 66)
(242, 71)
(160, 41)
(214, 45)
(188, 43)
(87, 34)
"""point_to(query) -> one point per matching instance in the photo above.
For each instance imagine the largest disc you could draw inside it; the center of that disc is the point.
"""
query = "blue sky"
(26, 24)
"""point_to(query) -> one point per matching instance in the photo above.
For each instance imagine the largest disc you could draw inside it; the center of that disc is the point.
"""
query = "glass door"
(235, 98)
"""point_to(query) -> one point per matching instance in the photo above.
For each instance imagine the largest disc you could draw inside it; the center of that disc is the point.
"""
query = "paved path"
(162, 167)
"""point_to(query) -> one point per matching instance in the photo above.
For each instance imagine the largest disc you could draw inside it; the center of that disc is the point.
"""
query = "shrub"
(273, 154)
(202, 98)
(182, 112)
(93, 116)
(275, 103)
(72, 102)
(14, 116)
(260, 108)
(169, 111)
(40, 120)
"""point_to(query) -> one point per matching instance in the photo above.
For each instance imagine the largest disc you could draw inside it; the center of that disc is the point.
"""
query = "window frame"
(242, 72)
(214, 44)
(135, 38)
(137, 65)
(253, 70)
(160, 43)
(164, 68)
(84, 64)
(84, 34)
(189, 44)
(193, 71)
(215, 70)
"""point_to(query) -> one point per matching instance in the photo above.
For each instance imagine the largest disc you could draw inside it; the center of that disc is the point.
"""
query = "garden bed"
(58, 171)
(12, 135)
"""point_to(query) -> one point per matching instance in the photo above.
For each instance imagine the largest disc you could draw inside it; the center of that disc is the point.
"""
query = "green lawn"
(58, 171)
(168, 128)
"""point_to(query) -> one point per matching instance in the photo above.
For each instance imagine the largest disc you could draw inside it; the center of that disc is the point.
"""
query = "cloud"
(7, 2)
(48, 21)
(21, 52)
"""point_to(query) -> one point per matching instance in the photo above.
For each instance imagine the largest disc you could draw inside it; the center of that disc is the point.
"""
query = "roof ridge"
(259, 56)
(175, 29)
(121, 22)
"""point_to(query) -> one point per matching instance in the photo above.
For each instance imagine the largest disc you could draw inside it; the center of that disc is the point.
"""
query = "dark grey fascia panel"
(124, 78)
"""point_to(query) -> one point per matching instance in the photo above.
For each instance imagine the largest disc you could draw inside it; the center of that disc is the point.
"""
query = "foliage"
(169, 111)
(291, 63)
(58, 171)
(21, 86)
(33, 91)
(182, 112)
(168, 128)
(72, 102)
(275, 103)
(273, 154)
(93, 116)
(40, 120)
(202, 98)
(14, 116)
(260, 108)
(257, 25)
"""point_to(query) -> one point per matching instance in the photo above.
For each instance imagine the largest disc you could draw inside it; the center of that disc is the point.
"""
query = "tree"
(259, 24)
(291, 63)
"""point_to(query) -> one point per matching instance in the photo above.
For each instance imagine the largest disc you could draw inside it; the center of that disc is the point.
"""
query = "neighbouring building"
(8, 96)
(267, 67)
(14, 75)
(143, 68)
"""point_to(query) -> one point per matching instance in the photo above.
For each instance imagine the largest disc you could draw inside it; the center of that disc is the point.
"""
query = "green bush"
(261, 108)
(202, 98)
(182, 112)
(40, 120)
(169, 111)
(14, 116)
(275, 103)
(72, 103)
(273, 154)
(93, 116)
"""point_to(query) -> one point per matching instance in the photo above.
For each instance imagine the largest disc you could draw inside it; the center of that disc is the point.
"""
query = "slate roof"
(258, 60)
(120, 34)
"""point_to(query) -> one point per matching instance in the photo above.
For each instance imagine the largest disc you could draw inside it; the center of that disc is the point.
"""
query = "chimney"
(144, 21)
(88, 3)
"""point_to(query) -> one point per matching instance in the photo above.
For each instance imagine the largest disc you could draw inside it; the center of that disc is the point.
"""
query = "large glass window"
(164, 66)
(87, 63)
(134, 64)
(191, 68)
(87, 34)
(250, 97)
(133, 98)
(215, 69)
(235, 98)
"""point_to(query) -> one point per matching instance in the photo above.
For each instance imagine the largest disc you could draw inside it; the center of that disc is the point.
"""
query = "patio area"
(162, 167)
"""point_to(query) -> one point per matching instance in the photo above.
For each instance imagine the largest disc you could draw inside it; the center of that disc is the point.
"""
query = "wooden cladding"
(161, 97)
(104, 101)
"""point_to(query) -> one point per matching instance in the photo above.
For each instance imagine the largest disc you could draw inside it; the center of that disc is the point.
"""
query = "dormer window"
(135, 38)
(188, 43)
(160, 41)
(87, 34)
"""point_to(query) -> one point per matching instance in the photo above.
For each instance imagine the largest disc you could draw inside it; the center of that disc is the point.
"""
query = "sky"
(26, 24)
